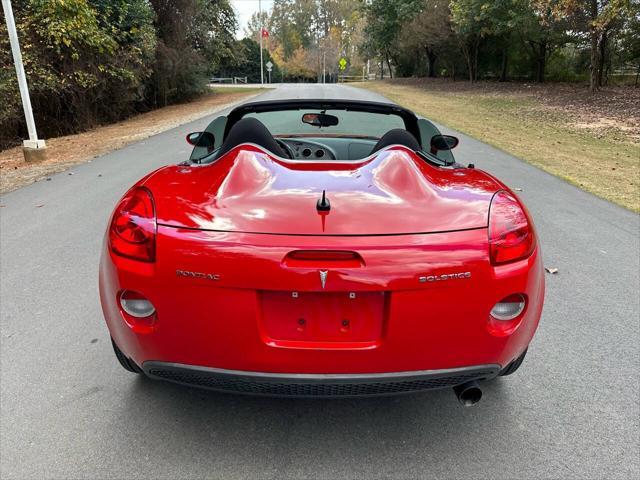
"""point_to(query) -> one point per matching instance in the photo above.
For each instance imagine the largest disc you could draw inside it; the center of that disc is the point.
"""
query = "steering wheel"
(286, 148)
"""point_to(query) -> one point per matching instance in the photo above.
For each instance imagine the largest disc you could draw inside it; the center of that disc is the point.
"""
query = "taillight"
(132, 232)
(511, 237)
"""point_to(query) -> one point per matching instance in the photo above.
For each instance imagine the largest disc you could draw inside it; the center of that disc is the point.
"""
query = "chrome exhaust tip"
(469, 393)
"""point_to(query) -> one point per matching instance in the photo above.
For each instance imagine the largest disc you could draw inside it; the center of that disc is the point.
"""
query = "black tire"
(513, 366)
(128, 364)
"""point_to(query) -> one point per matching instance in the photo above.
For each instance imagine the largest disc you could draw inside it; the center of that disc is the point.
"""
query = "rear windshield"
(352, 124)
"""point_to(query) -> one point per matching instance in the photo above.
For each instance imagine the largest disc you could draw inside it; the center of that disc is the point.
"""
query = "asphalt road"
(68, 410)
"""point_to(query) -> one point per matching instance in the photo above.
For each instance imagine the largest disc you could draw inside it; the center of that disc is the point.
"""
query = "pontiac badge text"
(204, 276)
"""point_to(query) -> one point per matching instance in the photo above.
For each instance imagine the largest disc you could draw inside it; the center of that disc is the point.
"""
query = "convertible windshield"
(353, 124)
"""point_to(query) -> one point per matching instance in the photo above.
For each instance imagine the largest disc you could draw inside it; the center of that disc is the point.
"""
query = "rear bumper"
(234, 322)
(316, 385)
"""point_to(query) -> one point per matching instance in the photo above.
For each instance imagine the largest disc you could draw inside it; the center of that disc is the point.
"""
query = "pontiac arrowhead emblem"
(323, 277)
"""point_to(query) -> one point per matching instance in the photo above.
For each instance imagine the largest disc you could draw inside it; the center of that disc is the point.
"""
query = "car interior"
(326, 133)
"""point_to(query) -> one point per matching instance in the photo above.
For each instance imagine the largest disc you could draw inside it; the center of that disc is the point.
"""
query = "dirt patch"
(64, 152)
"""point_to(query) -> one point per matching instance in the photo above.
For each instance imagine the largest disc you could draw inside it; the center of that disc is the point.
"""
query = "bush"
(90, 62)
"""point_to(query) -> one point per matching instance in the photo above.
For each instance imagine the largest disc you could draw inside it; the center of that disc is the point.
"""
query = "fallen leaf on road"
(41, 205)
(70, 173)
(551, 270)
(518, 189)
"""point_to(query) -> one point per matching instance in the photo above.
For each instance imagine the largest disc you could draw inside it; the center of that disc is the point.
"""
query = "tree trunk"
(505, 59)
(431, 62)
(593, 68)
(593, 36)
(381, 69)
(539, 53)
(476, 48)
(541, 60)
(389, 65)
(466, 52)
(602, 49)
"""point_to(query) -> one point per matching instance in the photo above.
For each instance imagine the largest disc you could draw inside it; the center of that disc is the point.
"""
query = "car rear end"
(322, 315)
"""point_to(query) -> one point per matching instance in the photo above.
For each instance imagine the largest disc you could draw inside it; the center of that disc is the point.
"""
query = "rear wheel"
(514, 365)
(126, 362)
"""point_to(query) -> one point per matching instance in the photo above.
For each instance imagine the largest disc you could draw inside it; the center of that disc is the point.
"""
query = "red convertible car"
(322, 248)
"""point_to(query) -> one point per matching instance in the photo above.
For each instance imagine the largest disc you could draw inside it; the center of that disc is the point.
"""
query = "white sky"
(244, 9)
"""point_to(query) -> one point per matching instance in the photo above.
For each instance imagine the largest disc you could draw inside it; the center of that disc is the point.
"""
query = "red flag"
(265, 33)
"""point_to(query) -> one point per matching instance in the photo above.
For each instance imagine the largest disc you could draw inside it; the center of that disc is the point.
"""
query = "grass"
(602, 163)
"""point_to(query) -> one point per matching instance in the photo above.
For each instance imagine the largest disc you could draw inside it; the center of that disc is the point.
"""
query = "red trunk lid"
(393, 192)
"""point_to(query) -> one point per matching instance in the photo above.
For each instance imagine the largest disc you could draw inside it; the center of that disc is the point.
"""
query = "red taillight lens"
(132, 232)
(511, 237)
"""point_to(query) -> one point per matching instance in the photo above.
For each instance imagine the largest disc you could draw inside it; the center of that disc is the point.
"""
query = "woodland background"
(91, 62)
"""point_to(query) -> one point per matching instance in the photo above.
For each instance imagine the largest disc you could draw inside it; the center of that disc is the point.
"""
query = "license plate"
(322, 320)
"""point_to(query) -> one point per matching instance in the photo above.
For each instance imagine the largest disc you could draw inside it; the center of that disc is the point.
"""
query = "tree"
(475, 20)
(506, 18)
(630, 40)
(429, 33)
(195, 37)
(292, 23)
(468, 18)
(77, 55)
(94, 61)
(247, 63)
(596, 18)
(384, 22)
(544, 29)
(218, 25)
(304, 32)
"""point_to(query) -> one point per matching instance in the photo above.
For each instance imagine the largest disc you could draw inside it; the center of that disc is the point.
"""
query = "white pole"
(261, 29)
(33, 141)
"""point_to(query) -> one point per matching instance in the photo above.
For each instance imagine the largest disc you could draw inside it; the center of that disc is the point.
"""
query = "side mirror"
(201, 139)
(443, 142)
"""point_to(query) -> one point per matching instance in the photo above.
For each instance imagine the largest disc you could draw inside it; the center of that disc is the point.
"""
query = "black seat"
(250, 130)
(397, 136)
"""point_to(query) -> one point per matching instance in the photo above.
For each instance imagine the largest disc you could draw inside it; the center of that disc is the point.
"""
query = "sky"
(244, 9)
